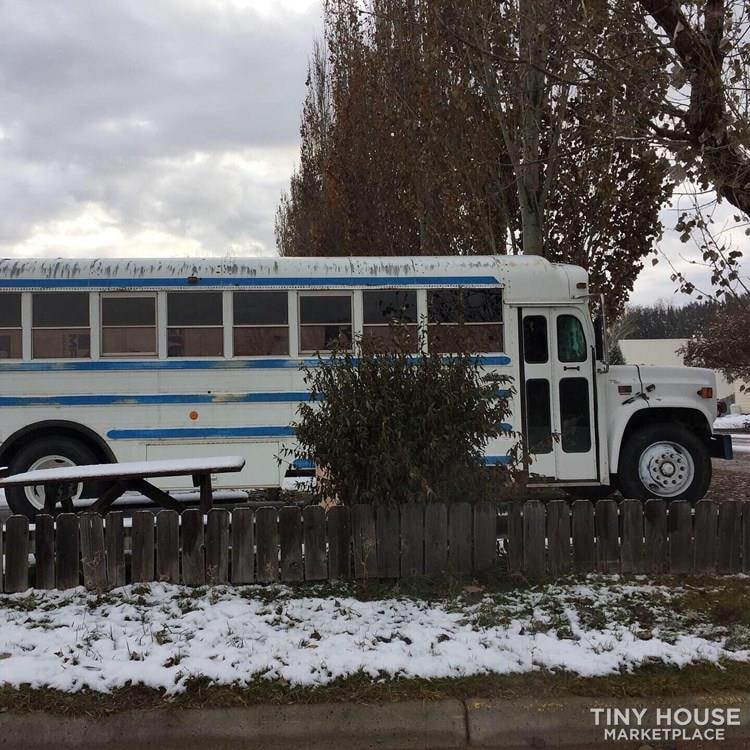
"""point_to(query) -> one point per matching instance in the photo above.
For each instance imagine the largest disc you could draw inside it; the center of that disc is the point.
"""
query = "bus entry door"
(558, 395)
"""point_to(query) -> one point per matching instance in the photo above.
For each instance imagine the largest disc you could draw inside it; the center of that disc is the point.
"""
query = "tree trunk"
(529, 171)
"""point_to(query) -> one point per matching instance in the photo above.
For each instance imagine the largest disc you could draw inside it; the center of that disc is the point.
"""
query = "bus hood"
(682, 387)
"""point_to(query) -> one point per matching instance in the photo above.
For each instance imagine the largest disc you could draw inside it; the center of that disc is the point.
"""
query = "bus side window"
(195, 324)
(386, 312)
(261, 323)
(128, 325)
(535, 339)
(465, 320)
(10, 325)
(325, 320)
(60, 325)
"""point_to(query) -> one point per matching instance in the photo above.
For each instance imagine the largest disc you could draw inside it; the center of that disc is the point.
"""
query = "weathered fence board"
(193, 557)
(243, 546)
(534, 538)
(607, 536)
(142, 556)
(459, 538)
(93, 559)
(267, 541)
(631, 513)
(412, 540)
(387, 543)
(168, 546)
(290, 539)
(292, 544)
(729, 537)
(338, 527)
(655, 533)
(485, 536)
(217, 546)
(515, 537)
(558, 536)
(584, 536)
(314, 525)
(16, 554)
(363, 538)
(67, 551)
(706, 526)
(44, 552)
(114, 539)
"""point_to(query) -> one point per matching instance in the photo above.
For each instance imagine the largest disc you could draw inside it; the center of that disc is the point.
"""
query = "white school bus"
(126, 360)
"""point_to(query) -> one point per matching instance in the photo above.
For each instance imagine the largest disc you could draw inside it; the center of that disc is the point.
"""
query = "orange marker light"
(193, 415)
(706, 392)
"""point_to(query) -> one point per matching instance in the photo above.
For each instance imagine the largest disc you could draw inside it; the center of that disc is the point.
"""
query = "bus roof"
(523, 278)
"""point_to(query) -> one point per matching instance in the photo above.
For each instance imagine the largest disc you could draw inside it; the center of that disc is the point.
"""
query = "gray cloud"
(176, 116)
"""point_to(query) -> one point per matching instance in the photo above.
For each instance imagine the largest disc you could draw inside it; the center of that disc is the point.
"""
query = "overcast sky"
(158, 128)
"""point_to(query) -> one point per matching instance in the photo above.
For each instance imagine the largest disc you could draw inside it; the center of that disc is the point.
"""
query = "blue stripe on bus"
(156, 398)
(161, 433)
(303, 463)
(144, 433)
(249, 281)
(98, 365)
(496, 460)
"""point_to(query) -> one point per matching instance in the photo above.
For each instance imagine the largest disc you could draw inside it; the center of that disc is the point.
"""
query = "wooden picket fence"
(290, 544)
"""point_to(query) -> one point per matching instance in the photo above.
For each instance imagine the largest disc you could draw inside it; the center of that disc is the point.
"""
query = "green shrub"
(398, 427)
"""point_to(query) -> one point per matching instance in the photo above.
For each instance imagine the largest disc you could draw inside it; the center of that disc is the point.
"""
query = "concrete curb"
(411, 725)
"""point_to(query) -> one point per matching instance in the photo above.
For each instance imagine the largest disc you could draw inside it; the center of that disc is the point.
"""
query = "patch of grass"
(650, 681)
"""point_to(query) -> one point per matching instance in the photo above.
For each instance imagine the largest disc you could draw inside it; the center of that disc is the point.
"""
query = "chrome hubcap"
(666, 469)
(35, 494)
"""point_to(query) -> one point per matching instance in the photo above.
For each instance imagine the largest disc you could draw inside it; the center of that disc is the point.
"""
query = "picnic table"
(61, 484)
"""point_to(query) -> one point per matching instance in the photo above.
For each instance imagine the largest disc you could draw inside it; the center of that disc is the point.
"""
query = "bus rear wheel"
(53, 452)
(664, 461)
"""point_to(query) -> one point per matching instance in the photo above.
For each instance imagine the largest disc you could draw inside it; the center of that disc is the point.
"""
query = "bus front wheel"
(53, 452)
(666, 461)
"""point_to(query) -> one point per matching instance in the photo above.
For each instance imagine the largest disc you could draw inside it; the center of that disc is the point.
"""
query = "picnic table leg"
(154, 494)
(203, 482)
(59, 492)
(108, 497)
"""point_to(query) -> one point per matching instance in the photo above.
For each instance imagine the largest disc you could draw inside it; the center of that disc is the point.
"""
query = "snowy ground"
(732, 422)
(163, 635)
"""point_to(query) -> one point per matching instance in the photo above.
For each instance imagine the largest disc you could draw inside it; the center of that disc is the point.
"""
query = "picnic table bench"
(60, 484)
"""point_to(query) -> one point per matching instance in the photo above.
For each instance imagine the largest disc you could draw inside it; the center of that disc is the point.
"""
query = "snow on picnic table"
(163, 635)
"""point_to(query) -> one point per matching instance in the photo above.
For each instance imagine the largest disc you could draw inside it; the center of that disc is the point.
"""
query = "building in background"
(665, 352)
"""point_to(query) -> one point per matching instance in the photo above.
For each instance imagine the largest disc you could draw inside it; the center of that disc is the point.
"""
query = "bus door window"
(538, 416)
(195, 324)
(60, 325)
(261, 323)
(10, 325)
(575, 416)
(325, 320)
(535, 339)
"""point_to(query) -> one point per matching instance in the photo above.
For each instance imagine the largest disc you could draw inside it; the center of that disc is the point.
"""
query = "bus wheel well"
(690, 418)
(28, 434)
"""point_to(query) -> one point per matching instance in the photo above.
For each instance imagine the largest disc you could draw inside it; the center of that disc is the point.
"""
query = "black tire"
(636, 444)
(55, 445)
